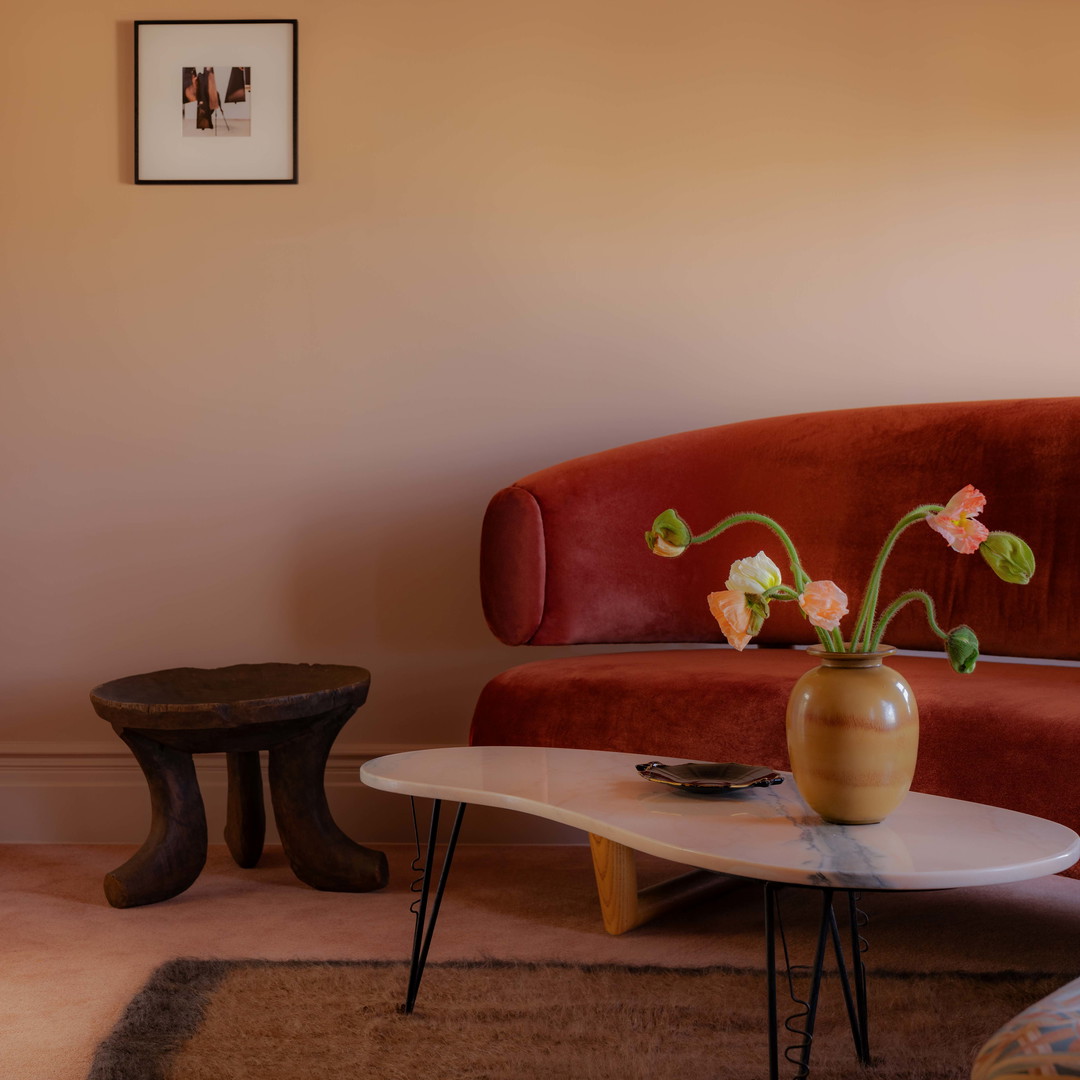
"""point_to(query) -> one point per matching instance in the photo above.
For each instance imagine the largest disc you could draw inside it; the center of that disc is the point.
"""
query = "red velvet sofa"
(564, 561)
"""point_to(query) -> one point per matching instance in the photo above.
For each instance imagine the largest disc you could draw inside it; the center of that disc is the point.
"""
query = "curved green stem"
(896, 605)
(781, 592)
(801, 579)
(864, 624)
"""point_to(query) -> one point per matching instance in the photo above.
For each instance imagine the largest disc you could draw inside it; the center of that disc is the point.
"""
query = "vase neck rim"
(870, 658)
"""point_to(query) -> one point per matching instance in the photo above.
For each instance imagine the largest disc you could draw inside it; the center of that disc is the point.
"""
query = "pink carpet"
(70, 962)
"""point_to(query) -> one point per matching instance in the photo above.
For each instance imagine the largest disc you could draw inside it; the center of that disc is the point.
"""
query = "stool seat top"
(185, 698)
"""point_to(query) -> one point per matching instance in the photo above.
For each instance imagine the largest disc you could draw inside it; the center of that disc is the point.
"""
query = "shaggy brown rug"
(301, 1020)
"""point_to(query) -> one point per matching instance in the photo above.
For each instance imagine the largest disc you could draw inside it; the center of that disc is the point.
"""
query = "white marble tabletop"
(766, 833)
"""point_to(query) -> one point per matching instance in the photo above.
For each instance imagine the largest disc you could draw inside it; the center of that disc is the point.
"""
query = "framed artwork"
(215, 102)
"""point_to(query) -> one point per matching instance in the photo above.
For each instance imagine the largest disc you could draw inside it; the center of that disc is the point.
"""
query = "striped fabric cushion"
(1043, 1040)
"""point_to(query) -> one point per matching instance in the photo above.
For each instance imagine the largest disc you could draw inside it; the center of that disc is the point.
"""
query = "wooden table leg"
(174, 852)
(245, 824)
(625, 907)
(318, 851)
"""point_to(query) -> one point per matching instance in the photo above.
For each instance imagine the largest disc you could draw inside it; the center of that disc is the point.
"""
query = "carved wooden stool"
(294, 711)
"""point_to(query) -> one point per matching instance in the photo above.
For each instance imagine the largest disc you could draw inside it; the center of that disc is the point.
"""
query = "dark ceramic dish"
(707, 777)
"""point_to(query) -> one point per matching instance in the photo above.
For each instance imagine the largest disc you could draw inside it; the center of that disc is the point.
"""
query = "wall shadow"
(125, 101)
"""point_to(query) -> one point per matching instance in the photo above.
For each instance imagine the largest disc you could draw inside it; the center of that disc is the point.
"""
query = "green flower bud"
(1009, 557)
(669, 535)
(759, 612)
(963, 648)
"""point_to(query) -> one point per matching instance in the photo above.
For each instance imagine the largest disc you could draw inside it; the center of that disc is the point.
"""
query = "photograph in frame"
(215, 102)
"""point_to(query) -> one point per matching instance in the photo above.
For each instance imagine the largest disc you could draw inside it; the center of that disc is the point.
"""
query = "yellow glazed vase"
(853, 736)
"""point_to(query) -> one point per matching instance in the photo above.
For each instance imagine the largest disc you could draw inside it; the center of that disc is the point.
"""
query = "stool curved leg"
(174, 851)
(318, 851)
(245, 823)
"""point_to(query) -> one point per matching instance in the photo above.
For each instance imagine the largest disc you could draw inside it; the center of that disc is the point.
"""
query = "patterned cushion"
(1043, 1040)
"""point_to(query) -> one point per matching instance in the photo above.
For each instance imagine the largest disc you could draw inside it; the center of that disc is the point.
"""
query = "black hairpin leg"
(425, 922)
(799, 1053)
(861, 1029)
(770, 972)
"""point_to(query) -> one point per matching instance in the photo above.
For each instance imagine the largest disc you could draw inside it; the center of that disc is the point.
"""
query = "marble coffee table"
(765, 833)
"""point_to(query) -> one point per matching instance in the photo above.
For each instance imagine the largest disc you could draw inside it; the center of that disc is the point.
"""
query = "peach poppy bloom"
(825, 604)
(732, 611)
(957, 521)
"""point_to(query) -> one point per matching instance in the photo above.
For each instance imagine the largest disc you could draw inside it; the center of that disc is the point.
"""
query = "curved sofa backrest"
(564, 558)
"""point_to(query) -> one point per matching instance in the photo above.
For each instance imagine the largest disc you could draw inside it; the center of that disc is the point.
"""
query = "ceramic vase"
(852, 735)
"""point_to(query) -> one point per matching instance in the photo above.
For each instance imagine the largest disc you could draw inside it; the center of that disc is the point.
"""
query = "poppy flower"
(754, 575)
(740, 615)
(825, 604)
(957, 521)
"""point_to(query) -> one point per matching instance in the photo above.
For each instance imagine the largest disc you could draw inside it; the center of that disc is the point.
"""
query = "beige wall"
(246, 423)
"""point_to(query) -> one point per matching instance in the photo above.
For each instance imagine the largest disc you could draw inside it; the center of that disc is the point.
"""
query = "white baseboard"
(95, 793)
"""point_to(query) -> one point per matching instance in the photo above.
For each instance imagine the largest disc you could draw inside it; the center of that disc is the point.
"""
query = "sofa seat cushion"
(1007, 735)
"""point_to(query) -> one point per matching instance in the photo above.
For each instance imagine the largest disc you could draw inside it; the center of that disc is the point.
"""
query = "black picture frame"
(183, 62)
